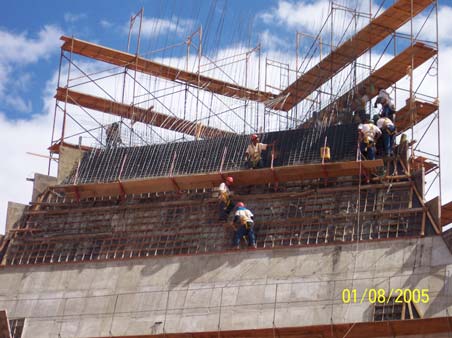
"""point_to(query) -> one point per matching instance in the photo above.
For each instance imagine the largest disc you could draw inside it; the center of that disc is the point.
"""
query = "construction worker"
(388, 108)
(361, 100)
(113, 135)
(402, 152)
(253, 154)
(368, 136)
(243, 219)
(224, 196)
(388, 129)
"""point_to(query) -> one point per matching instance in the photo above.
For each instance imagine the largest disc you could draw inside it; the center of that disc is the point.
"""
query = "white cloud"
(17, 138)
(72, 17)
(428, 24)
(16, 52)
(152, 27)
(300, 15)
(105, 23)
(18, 103)
(20, 49)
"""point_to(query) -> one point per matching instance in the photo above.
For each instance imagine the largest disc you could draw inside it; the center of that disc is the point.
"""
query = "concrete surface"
(13, 214)
(69, 157)
(41, 182)
(236, 290)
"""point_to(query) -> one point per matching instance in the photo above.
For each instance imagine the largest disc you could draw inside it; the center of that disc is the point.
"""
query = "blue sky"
(29, 56)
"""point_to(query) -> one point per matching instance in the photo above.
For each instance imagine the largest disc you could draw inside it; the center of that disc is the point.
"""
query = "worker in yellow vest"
(224, 196)
(243, 218)
(253, 154)
(368, 136)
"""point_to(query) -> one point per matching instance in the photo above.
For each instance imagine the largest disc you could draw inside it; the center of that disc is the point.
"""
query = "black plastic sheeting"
(292, 147)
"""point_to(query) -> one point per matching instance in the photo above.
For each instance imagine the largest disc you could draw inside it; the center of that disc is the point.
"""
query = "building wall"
(234, 290)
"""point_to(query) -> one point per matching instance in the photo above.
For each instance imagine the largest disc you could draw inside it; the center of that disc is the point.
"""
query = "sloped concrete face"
(236, 290)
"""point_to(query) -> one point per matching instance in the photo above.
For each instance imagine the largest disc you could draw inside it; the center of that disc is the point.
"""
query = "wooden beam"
(146, 66)
(383, 77)
(4, 325)
(376, 31)
(424, 326)
(446, 214)
(421, 110)
(138, 114)
(210, 180)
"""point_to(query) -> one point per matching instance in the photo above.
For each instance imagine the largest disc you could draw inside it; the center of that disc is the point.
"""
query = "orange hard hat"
(254, 137)
(229, 179)
(240, 205)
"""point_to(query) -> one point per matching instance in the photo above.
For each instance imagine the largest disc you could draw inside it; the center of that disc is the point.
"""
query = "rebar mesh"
(292, 147)
(152, 226)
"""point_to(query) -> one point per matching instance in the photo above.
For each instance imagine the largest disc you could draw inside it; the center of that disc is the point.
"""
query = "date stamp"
(381, 296)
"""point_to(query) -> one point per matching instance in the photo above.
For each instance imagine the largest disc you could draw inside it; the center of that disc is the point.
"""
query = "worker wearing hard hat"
(224, 196)
(253, 154)
(368, 136)
(243, 218)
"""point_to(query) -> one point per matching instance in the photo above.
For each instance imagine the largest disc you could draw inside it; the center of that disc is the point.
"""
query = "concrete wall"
(236, 290)
(67, 160)
(13, 214)
(40, 183)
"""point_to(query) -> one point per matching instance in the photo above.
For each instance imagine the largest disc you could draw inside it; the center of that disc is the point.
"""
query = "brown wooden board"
(404, 120)
(393, 328)
(138, 114)
(377, 30)
(242, 177)
(4, 325)
(383, 77)
(446, 214)
(130, 61)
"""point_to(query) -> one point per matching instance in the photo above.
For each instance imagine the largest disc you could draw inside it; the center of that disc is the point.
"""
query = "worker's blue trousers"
(388, 112)
(368, 150)
(388, 140)
(243, 231)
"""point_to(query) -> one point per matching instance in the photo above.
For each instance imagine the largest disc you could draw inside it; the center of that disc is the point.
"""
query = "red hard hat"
(240, 204)
(254, 137)
(229, 179)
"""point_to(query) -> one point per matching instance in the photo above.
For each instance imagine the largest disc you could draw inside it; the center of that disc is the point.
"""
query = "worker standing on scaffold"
(243, 219)
(388, 130)
(226, 204)
(368, 136)
(253, 154)
(113, 135)
(388, 108)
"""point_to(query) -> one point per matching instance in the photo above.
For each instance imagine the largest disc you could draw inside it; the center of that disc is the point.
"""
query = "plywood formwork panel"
(138, 114)
(209, 180)
(370, 35)
(446, 214)
(143, 65)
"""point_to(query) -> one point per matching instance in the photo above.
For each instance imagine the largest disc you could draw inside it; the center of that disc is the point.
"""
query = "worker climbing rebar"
(368, 136)
(244, 220)
(224, 196)
(253, 154)
(388, 130)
